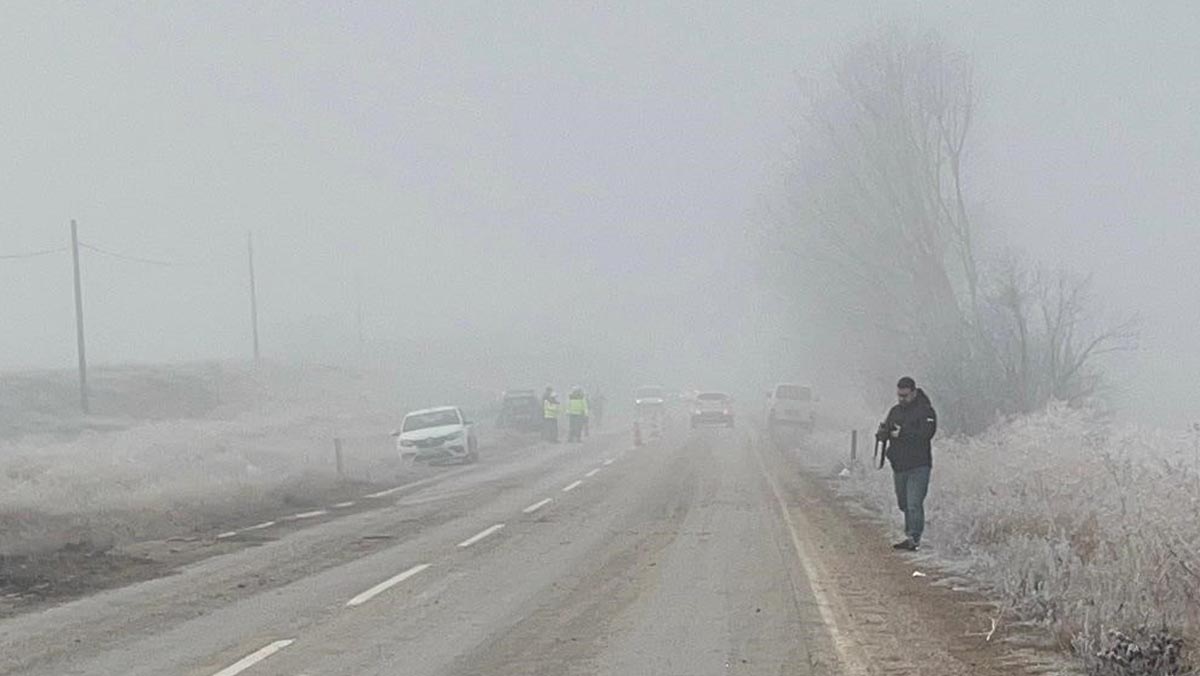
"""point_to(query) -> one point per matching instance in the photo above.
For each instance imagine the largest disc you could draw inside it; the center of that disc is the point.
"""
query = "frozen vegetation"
(1076, 523)
(175, 450)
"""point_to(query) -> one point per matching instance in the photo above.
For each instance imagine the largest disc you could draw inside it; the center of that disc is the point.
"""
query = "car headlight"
(407, 443)
(452, 437)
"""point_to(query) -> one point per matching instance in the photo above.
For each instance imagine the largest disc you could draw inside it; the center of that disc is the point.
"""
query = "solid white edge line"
(255, 657)
(814, 574)
(385, 585)
(571, 486)
(260, 526)
(480, 535)
(537, 505)
(592, 473)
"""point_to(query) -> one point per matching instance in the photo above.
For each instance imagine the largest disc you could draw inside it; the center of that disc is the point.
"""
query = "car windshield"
(649, 393)
(713, 396)
(432, 419)
(795, 392)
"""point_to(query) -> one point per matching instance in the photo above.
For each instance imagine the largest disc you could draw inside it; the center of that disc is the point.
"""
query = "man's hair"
(906, 383)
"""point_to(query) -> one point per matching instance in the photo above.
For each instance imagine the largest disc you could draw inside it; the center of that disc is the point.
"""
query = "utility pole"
(253, 295)
(83, 386)
(359, 314)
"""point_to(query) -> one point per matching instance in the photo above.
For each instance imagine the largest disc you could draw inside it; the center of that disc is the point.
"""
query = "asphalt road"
(676, 558)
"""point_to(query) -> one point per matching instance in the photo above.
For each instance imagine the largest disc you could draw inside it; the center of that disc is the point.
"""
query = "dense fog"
(558, 192)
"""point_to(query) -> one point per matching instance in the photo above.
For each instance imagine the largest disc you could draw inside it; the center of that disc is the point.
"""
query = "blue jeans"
(911, 487)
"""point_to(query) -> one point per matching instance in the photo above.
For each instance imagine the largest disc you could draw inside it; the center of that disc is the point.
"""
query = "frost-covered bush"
(1078, 523)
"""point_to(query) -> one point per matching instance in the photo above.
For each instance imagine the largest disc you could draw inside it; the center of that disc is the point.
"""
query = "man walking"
(907, 431)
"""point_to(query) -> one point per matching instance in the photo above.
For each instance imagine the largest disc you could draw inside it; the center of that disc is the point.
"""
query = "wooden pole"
(79, 342)
(253, 296)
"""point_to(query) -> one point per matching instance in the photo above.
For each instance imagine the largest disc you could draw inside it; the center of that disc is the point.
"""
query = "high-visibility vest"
(577, 406)
(549, 408)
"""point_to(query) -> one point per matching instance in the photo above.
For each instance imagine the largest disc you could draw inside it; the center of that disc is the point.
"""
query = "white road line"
(307, 515)
(385, 585)
(254, 658)
(536, 506)
(608, 462)
(572, 486)
(343, 505)
(385, 493)
(227, 534)
(825, 597)
(421, 482)
(592, 473)
(260, 526)
(480, 535)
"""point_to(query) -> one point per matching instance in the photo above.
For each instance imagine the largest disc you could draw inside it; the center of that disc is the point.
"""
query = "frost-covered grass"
(162, 464)
(1077, 523)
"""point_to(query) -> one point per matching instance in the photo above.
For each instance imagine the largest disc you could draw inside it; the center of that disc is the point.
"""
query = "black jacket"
(918, 424)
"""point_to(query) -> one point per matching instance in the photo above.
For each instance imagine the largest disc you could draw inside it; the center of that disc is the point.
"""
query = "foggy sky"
(491, 175)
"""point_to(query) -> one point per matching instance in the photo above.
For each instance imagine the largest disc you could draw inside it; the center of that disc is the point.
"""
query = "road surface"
(691, 556)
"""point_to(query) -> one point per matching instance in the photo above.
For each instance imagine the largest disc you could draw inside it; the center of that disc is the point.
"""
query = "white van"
(791, 405)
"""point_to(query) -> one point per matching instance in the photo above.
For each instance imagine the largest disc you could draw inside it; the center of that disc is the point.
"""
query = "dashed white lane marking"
(385, 585)
(480, 535)
(254, 658)
(384, 493)
(343, 505)
(608, 462)
(536, 506)
(227, 534)
(592, 473)
(307, 515)
(571, 486)
(260, 526)
(421, 482)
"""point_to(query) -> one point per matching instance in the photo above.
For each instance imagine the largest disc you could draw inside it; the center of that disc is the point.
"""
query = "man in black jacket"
(908, 429)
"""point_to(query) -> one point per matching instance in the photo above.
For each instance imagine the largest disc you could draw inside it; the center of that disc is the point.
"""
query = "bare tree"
(875, 233)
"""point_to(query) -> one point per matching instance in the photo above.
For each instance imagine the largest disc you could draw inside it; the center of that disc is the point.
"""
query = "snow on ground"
(175, 449)
(1077, 523)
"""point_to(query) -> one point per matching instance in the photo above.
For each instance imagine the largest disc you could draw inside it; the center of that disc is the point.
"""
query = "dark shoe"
(907, 545)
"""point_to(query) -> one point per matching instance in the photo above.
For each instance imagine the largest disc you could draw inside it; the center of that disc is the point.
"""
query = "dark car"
(712, 408)
(520, 410)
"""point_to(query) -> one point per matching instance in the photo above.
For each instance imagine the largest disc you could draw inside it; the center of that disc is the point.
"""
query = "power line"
(33, 254)
(126, 257)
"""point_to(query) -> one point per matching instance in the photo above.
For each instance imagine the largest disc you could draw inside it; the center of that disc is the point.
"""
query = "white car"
(791, 405)
(712, 408)
(650, 394)
(441, 433)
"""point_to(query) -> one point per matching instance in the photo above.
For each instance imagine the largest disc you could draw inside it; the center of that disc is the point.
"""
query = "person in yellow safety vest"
(577, 410)
(550, 415)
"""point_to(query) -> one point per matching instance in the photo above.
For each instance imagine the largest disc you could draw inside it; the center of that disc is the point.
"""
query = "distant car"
(441, 433)
(712, 408)
(791, 405)
(649, 394)
(520, 410)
